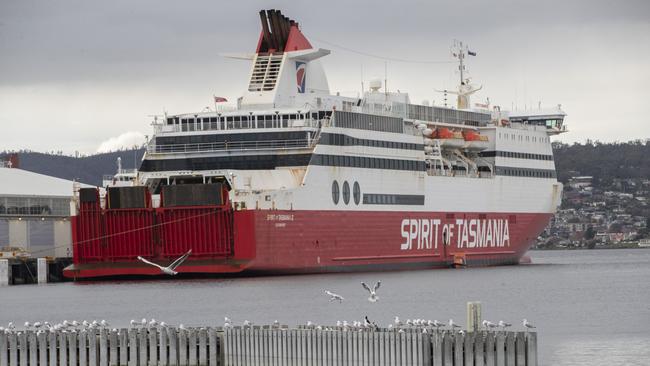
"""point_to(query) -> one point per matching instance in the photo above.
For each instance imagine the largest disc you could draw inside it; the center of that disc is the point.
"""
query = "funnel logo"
(300, 76)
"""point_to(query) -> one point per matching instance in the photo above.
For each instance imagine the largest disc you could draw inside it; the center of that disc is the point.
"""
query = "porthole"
(346, 192)
(356, 193)
(335, 192)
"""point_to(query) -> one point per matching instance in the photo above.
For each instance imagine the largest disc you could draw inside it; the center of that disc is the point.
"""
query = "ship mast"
(465, 89)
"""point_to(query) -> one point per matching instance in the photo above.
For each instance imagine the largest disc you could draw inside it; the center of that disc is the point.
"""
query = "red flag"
(220, 99)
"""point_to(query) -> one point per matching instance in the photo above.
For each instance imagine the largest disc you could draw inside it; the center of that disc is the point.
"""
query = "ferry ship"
(296, 179)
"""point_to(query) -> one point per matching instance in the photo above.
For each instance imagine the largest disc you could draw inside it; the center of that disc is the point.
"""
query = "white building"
(35, 213)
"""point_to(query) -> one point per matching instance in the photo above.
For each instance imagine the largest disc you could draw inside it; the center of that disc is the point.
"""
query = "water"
(591, 307)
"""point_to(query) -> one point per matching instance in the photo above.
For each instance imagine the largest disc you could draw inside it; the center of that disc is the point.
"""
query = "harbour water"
(590, 307)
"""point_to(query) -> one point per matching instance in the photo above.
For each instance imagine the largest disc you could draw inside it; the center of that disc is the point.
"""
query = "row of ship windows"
(520, 137)
(363, 162)
(531, 173)
(345, 140)
(250, 121)
(518, 155)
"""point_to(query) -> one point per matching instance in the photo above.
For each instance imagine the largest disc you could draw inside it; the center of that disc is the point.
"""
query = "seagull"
(437, 324)
(104, 323)
(334, 296)
(37, 325)
(163, 325)
(488, 324)
(373, 293)
(227, 320)
(181, 326)
(134, 323)
(153, 323)
(170, 270)
(527, 325)
(11, 326)
(397, 322)
(28, 325)
(247, 323)
(503, 324)
(453, 325)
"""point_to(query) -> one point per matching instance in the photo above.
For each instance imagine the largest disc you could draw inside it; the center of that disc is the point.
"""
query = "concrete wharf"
(267, 345)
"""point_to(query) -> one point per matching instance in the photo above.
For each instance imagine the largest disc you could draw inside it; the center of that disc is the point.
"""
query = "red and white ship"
(298, 180)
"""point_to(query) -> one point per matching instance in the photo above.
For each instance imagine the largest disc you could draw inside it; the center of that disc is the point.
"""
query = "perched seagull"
(504, 325)
(453, 325)
(334, 296)
(74, 323)
(134, 323)
(227, 320)
(37, 325)
(104, 323)
(397, 322)
(488, 324)
(153, 323)
(28, 325)
(163, 325)
(437, 324)
(527, 325)
(11, 326)
(170, 270)
(373, 293)
(143, 322)
(181, 326)
(247, 323)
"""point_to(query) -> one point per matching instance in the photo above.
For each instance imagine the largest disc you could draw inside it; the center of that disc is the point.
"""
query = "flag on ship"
(219, 99)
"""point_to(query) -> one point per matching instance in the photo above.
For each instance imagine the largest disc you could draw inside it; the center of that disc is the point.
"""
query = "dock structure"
(267, 345)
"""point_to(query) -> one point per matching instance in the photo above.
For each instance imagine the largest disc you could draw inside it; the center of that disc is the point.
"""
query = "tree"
(590, 233)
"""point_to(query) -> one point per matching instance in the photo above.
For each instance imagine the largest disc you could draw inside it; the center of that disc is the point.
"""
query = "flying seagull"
(373, 293)
(170, 270)
(334, 296)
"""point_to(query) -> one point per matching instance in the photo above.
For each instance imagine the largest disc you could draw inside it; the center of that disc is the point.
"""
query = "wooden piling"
(22, 348)
(93, 352)
(153, 347)
(33, 348)
(531, 349)
(172, 337)
(133, 349)
(123, 338)
(52, 343)
(73, 347)
(103, 347)
(83, 349)
(500, 345)
(510, 349)
(520, 348)
(63, 348)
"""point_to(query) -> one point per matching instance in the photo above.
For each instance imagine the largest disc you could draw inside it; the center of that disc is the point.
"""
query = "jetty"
(266, 345)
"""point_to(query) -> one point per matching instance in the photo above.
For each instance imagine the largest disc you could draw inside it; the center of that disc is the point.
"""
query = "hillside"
(605, 162)
(85, 169)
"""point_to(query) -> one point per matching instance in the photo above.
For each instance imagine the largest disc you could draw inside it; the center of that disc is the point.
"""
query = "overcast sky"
(86, 75)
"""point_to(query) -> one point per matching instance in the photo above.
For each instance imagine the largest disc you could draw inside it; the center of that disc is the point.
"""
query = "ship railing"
(230, 146)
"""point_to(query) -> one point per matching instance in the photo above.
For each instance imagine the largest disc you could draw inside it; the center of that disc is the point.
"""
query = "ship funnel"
(280, 34)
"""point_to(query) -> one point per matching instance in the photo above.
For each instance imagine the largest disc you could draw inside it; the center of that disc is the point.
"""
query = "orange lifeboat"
(474, 140)
(449, 138)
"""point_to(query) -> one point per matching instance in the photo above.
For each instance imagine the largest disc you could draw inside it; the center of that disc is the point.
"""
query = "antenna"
(386, 77)
(362, 90)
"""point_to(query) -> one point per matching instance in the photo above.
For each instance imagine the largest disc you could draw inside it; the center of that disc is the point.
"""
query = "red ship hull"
(283, 242)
